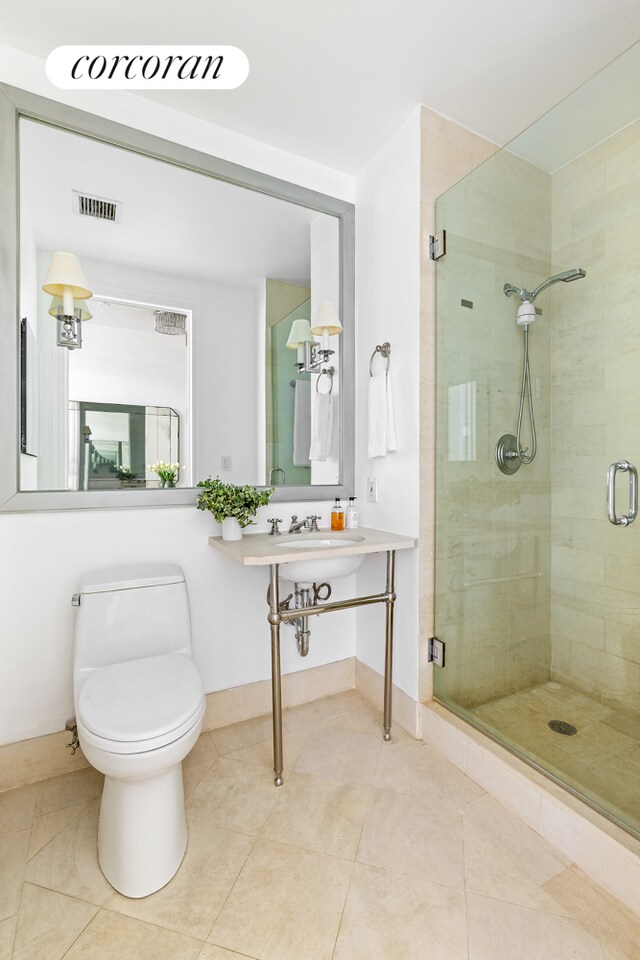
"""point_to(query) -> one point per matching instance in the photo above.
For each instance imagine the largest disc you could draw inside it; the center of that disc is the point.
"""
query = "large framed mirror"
(202, 275)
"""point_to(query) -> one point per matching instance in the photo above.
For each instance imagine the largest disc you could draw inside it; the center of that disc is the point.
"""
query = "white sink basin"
(323, 568)
(298, 543)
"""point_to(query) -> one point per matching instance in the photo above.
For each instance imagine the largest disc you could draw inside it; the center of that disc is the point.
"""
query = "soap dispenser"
(351, 515)
(337, 516)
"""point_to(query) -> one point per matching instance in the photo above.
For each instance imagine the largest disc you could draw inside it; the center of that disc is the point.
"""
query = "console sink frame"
(277, 617)
(265, 550)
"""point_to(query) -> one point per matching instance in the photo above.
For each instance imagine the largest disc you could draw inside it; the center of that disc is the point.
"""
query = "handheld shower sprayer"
(510, 454)
(576, 273)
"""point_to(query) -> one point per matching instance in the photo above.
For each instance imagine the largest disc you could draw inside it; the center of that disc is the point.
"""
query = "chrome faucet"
(297, 525)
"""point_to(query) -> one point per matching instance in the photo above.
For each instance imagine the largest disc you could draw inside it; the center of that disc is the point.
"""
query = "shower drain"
(561, 726)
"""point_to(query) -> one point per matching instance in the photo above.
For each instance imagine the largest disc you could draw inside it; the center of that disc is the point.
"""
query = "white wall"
(224, 362)
(20, 69)
(108, 368)
(43, 555)
(388, 308)
(325, 288)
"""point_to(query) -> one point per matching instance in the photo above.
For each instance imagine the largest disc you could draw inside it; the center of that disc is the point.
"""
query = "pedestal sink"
(331, 567)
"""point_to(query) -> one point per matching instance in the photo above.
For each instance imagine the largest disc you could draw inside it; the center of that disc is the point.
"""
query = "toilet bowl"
(139, 709)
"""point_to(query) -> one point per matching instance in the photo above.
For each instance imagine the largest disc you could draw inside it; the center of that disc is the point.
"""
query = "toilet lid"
(140, 699)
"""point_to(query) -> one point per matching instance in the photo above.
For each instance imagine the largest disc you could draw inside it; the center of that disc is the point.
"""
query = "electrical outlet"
(225, 463)
(372, 489)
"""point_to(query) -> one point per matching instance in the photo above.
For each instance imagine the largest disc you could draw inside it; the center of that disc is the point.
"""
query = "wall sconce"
(57, 308)
(312, 355)
(299, 336)
(66, 283)
(326, 324)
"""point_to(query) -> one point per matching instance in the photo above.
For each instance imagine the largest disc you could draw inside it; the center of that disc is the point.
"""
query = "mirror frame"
(16, 104)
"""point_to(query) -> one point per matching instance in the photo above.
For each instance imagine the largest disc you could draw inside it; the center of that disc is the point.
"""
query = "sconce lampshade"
(300, 332)
(65, 272)
(326, 319)
(57, 307)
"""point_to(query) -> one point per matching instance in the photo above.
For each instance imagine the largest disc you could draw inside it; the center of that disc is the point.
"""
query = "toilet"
(140, 705)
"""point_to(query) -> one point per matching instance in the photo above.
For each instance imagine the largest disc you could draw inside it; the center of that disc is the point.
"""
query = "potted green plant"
(232, 506)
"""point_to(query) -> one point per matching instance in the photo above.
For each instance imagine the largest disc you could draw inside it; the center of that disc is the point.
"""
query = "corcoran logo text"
(147, 67)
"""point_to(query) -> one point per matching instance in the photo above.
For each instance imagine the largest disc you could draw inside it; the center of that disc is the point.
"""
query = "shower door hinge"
(438, 245)
(435, 653)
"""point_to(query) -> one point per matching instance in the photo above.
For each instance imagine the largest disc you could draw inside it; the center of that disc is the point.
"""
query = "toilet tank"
(128, 613)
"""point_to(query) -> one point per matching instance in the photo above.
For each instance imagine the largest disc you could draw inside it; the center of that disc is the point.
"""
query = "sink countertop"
(261, 549)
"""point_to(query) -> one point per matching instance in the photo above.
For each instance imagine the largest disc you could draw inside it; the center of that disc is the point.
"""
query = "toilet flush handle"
(75, 600)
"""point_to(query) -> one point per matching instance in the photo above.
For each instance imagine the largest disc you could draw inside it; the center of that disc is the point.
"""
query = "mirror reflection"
(170, 317)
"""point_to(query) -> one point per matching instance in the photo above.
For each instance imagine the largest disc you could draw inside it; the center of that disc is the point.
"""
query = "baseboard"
(40, 758)
(254, 699)
(28, 761)
(604, 851)
(43, 757)
(404, 711)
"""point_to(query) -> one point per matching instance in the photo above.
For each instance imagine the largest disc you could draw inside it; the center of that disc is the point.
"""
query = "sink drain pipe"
(303, 600)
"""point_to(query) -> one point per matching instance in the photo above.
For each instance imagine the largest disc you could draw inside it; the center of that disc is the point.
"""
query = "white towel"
(321, 427)
(301, 423)
(382, 425)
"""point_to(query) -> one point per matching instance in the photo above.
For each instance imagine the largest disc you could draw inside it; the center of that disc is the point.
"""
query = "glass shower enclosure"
(537, 551)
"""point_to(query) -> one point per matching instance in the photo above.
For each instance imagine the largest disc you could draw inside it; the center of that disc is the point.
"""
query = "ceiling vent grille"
(98, 208)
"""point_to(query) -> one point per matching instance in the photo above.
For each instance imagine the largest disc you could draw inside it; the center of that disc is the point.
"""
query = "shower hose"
(523, 452)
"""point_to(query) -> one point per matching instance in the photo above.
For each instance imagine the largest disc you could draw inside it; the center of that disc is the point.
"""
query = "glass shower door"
(537, 592)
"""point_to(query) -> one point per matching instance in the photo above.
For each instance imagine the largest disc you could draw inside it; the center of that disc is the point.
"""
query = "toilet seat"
(140, 705)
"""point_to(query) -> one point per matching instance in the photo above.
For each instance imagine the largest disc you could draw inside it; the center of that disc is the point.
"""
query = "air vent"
(99, 208)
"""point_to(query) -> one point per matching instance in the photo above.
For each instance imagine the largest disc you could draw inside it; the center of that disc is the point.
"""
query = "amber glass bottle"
(337, 516)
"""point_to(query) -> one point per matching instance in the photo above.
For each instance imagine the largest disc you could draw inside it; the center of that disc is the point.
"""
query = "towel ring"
(327, 371)
(384, 349)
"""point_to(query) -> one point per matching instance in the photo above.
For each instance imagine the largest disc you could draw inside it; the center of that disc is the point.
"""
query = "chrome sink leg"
(275, 619)
(388, 655)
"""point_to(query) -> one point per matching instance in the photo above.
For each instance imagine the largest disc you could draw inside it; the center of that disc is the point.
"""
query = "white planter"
(231, 529)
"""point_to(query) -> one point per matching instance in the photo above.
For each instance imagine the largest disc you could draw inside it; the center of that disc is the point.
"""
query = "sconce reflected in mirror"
(57, 308)
(326, 324)
(300, 334)
(66, 283)
(311, 355)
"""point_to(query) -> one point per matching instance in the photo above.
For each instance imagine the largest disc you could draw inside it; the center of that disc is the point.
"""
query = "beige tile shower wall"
(493, 532)
(596, 419)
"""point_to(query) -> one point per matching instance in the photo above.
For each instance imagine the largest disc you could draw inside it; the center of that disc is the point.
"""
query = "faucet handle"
(274, 532)
(313, 523)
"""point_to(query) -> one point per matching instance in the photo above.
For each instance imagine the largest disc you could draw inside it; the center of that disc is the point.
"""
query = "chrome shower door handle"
(622, 466)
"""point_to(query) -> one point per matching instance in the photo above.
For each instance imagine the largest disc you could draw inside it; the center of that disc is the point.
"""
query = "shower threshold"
(598, 761)
(594, 838)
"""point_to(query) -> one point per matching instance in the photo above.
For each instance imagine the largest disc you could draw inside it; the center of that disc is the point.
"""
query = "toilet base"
(142, 835)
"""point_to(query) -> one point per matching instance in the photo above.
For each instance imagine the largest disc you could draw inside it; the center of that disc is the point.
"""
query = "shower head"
(576, 273)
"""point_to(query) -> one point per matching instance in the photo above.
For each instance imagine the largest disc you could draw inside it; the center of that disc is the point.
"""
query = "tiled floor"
(370, 851)
(602, 759)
